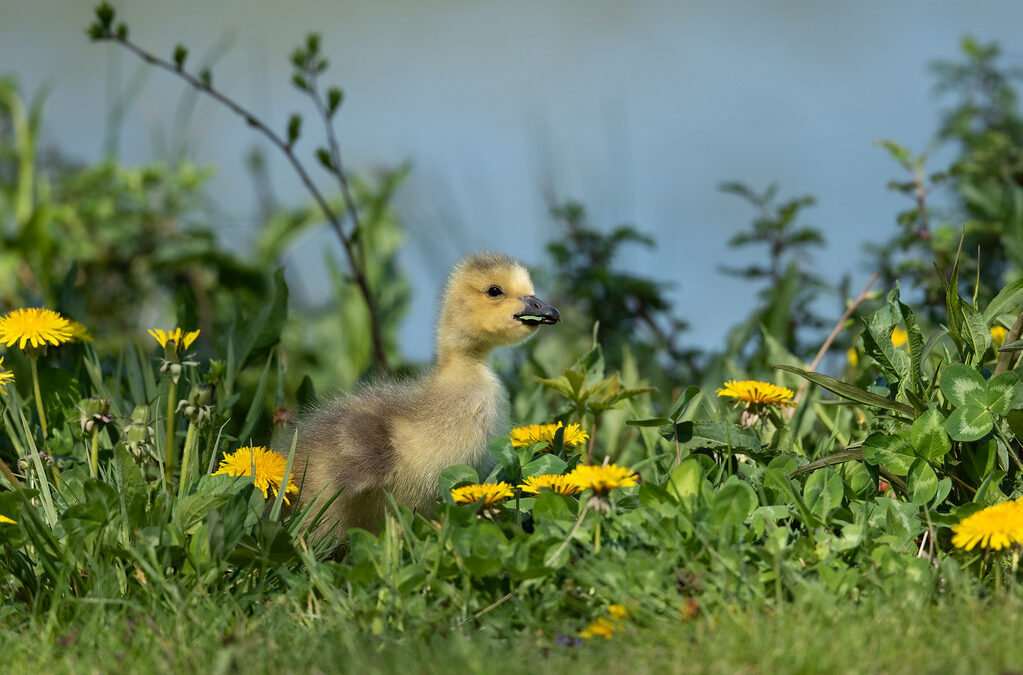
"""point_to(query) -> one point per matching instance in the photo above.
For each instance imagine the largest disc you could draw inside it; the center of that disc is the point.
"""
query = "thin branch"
(358, 270)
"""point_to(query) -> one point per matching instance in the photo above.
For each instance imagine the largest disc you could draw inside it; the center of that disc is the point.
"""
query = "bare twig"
(834, 333)
(355, 261)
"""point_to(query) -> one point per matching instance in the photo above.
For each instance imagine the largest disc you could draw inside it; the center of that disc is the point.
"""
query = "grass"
(944, 636)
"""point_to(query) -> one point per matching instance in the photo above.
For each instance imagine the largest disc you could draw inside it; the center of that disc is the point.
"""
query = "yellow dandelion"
(6, 377)
(899, 337)
(757, 393)
(489, 493)
(618, 612)
(79, 333)
(601, 479)
(176, 337)
(998, 335)
(35, 326)
(522, 437)
(599, 628)
(265, 466)
(996, 527)
(852, 356)
(560, 484)
(7, 521)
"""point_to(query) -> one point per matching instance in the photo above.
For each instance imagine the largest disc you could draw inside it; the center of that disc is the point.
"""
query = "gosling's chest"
(457, 426)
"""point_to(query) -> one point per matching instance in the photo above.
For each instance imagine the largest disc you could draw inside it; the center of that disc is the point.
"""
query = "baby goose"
(398, 436)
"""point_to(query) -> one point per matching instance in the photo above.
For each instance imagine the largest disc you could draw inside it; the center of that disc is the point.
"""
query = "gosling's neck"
(460, 359)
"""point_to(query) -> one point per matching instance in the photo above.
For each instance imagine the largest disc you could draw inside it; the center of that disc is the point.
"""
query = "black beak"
(537, 312)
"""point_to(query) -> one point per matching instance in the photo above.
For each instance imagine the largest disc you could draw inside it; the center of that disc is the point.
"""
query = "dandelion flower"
(560, 484)
(265, 466)
(177, 337)
(852, 356)
(899, 337)
(5, 520)
(599, 628)
(490, 493)
(522, 437)
(618, 612)
(35, 326)
(601, 479)
(998, 335)
(79, 333)
(996, 527)
(6, 377)
(757, 393)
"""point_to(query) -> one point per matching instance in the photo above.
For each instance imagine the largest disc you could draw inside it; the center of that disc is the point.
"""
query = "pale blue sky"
(638, 109)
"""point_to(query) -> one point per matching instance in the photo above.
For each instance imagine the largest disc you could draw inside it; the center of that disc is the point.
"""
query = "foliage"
(984, 184)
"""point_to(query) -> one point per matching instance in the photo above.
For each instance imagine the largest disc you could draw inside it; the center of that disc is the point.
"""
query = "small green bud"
(324, 156)
(334, 98)
(299, 82)
(206, 77)
(312, 43)
(105, 14)
(180, 54)
(294, 128)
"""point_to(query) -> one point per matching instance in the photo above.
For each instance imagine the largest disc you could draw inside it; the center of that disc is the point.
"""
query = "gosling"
(398, 436)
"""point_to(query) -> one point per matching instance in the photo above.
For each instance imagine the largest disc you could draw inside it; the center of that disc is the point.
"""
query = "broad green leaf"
(961, 385)
(1008, 299)
(549, 505)
(687, 395)
(916, 346)
(894, 452)
(877, 340)
(850, 392)
(502, 449)
(928, 436)
(732, 503)
(969, 422)
(453, 476)
(976, 333)
(191, 509)
(823, 492)
(921, 482)
(545, 464)
(685, 481)
(1004, 393)
(944, 488)
(718, 435)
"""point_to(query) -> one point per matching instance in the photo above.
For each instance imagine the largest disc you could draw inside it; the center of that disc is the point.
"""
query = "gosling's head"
(490, 302)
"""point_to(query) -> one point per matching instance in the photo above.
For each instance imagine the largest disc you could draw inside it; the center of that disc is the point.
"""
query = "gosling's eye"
(495, 291)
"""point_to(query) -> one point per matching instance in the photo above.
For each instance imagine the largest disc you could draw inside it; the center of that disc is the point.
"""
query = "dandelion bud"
(138, 435)
(95, 411)
(196, 407)
(24, 463)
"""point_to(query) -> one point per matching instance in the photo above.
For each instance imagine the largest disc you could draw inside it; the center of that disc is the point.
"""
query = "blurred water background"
(638, 110)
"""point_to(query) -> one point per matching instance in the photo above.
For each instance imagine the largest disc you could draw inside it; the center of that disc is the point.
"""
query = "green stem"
(186, 460)
(168, 460)
(94, 455)
(596, 538)
(38, 394)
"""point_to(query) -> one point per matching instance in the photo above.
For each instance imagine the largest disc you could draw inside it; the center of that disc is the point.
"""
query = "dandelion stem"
(575, 528)
(94, 454)
(186, 460)
(168, 461)
(38, 394)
